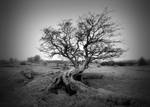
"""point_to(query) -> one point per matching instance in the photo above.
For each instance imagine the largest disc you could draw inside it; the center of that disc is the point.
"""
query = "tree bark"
(70, 81)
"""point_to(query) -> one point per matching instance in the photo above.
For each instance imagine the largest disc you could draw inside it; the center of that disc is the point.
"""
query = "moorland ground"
(19, 91)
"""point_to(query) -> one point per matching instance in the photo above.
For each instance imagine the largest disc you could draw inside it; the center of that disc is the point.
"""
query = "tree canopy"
(92, 37)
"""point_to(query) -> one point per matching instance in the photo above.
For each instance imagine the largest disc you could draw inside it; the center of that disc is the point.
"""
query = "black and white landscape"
(71, 53)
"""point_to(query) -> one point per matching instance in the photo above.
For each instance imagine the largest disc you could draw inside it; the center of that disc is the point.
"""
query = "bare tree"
(94, 37)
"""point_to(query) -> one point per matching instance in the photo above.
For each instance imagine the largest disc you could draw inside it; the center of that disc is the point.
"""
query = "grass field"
(18, 91)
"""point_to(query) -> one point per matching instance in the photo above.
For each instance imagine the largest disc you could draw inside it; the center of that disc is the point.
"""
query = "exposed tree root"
(71, 82)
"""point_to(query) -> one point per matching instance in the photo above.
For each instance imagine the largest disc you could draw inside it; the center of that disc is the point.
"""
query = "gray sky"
(21, 22)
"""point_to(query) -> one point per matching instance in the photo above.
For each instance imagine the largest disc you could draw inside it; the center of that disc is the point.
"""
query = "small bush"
(34, 59)
(23, 63)
(142, 62)
(121, 63)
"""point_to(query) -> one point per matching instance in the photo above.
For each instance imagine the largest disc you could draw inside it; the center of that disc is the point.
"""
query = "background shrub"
(142, 62)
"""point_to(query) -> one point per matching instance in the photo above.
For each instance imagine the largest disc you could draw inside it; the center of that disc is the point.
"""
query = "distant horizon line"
(58, 59)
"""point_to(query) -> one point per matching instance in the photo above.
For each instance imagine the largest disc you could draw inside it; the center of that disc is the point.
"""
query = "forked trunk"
(70, 81)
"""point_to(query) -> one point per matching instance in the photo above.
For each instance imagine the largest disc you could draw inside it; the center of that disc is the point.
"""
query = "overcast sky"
(22, 21)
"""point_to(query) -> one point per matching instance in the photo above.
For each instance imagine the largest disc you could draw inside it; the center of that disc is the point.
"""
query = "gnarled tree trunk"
(70, 81)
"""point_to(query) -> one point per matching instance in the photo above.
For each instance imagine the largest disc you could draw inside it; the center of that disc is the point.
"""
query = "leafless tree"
(93, 37)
